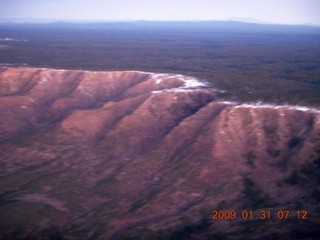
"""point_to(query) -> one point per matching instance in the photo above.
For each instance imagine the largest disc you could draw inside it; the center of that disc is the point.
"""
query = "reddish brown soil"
(123, 155)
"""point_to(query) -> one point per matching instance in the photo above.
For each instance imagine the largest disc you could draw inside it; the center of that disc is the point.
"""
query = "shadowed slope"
(123, 155)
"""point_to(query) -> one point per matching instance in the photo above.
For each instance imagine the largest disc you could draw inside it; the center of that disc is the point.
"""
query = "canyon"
(139, 155)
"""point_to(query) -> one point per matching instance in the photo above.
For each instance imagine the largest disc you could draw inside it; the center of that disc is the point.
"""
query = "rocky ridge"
(123, 155)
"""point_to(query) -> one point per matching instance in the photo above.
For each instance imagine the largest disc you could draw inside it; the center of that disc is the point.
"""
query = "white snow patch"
(178, 90)
(194, 83)
(12, 39)
(189, 83)
(139, 72)
(229, 102)
(7, 39)
(258, 105)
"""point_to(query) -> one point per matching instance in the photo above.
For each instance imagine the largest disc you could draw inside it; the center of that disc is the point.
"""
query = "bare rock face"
(135, 155)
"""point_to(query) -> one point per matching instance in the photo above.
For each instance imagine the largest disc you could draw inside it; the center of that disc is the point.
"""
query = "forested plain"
(249, 62)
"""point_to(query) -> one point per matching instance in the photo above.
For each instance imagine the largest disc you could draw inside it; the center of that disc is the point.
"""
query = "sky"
(270, 11)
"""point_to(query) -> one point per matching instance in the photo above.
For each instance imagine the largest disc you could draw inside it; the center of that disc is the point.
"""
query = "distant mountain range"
(46, 21)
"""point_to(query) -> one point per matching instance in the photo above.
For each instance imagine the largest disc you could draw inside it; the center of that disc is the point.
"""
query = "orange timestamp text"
(259, 214)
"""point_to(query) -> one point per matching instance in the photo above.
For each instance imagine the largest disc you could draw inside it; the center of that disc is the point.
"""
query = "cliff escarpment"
(135, 155)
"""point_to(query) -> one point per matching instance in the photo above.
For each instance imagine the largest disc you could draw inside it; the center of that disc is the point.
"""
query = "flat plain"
(249, 62)
(135, 155)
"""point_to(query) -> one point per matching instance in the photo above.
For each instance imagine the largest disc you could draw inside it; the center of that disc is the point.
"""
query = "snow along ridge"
(195, 84)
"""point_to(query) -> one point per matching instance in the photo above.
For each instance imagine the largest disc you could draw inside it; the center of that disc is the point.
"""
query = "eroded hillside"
(135, 155)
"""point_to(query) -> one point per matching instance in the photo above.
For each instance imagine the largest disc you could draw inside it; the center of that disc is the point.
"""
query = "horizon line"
(31, 20)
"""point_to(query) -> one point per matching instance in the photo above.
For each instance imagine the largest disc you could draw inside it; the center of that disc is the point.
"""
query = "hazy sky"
(274, 11)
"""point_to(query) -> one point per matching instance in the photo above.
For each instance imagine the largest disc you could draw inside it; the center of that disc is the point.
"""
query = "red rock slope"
(134, 155)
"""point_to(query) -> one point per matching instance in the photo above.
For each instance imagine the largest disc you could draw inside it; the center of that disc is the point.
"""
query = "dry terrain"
(137, 155)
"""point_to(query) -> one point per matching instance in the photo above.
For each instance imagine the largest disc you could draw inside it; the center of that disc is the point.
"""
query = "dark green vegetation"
(277, 64)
